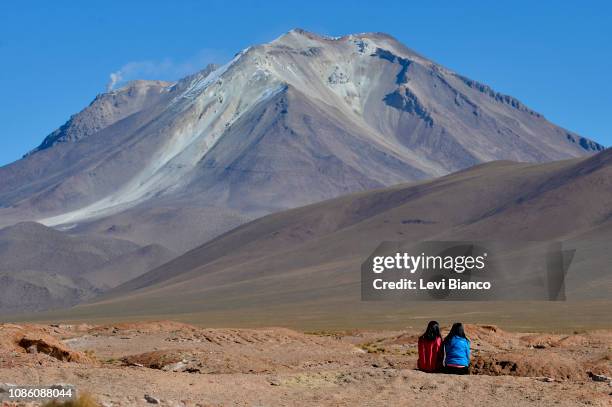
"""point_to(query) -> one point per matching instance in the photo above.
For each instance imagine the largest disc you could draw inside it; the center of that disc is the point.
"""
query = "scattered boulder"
(180, 366)
(150, 399)
(162, 359)
(37, 339)
(34, 342)
(599, 377)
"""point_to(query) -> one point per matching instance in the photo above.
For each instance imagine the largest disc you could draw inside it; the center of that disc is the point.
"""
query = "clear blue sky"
(55, 56)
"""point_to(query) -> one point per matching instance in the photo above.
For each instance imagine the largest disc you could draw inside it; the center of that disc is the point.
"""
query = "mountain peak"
(301, 119)
(297, 35)
(315, 36)
(300, 32)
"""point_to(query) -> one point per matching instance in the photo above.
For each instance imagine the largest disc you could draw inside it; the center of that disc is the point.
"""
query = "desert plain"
(171, 363)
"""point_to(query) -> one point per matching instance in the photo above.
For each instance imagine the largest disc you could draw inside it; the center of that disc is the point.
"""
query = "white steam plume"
(115, 78)
(166, 69)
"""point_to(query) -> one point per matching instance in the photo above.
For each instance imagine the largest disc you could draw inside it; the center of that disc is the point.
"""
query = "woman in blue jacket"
(457, 351)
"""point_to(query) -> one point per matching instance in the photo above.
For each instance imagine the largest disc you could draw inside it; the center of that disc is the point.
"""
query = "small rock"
(4, 387)
(32, 349)
(546, 379)
(151, 399)
(61, 386)
(599, 377)
(175, 367)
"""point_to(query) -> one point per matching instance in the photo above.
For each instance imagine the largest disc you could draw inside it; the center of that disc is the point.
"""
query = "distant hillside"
(309, 258)
(42, 268)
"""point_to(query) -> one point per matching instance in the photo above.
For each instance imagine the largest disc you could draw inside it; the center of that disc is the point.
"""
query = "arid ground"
(175, 364)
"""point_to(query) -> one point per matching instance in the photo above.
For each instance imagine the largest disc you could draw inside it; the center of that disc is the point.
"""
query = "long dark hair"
(456, 330)
(432, 332)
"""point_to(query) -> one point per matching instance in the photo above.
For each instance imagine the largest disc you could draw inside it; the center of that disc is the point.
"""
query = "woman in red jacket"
(430, 348)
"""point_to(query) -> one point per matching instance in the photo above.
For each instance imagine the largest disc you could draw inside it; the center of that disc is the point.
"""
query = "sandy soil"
(177, 364)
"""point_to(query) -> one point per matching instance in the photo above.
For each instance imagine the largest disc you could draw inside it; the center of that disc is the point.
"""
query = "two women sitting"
(451, 355)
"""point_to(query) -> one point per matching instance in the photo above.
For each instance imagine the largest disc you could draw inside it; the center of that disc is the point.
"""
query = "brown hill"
(304, 264)
(42, 268)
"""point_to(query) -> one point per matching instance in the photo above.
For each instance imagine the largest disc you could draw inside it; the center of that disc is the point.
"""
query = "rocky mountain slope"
(295, 121)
